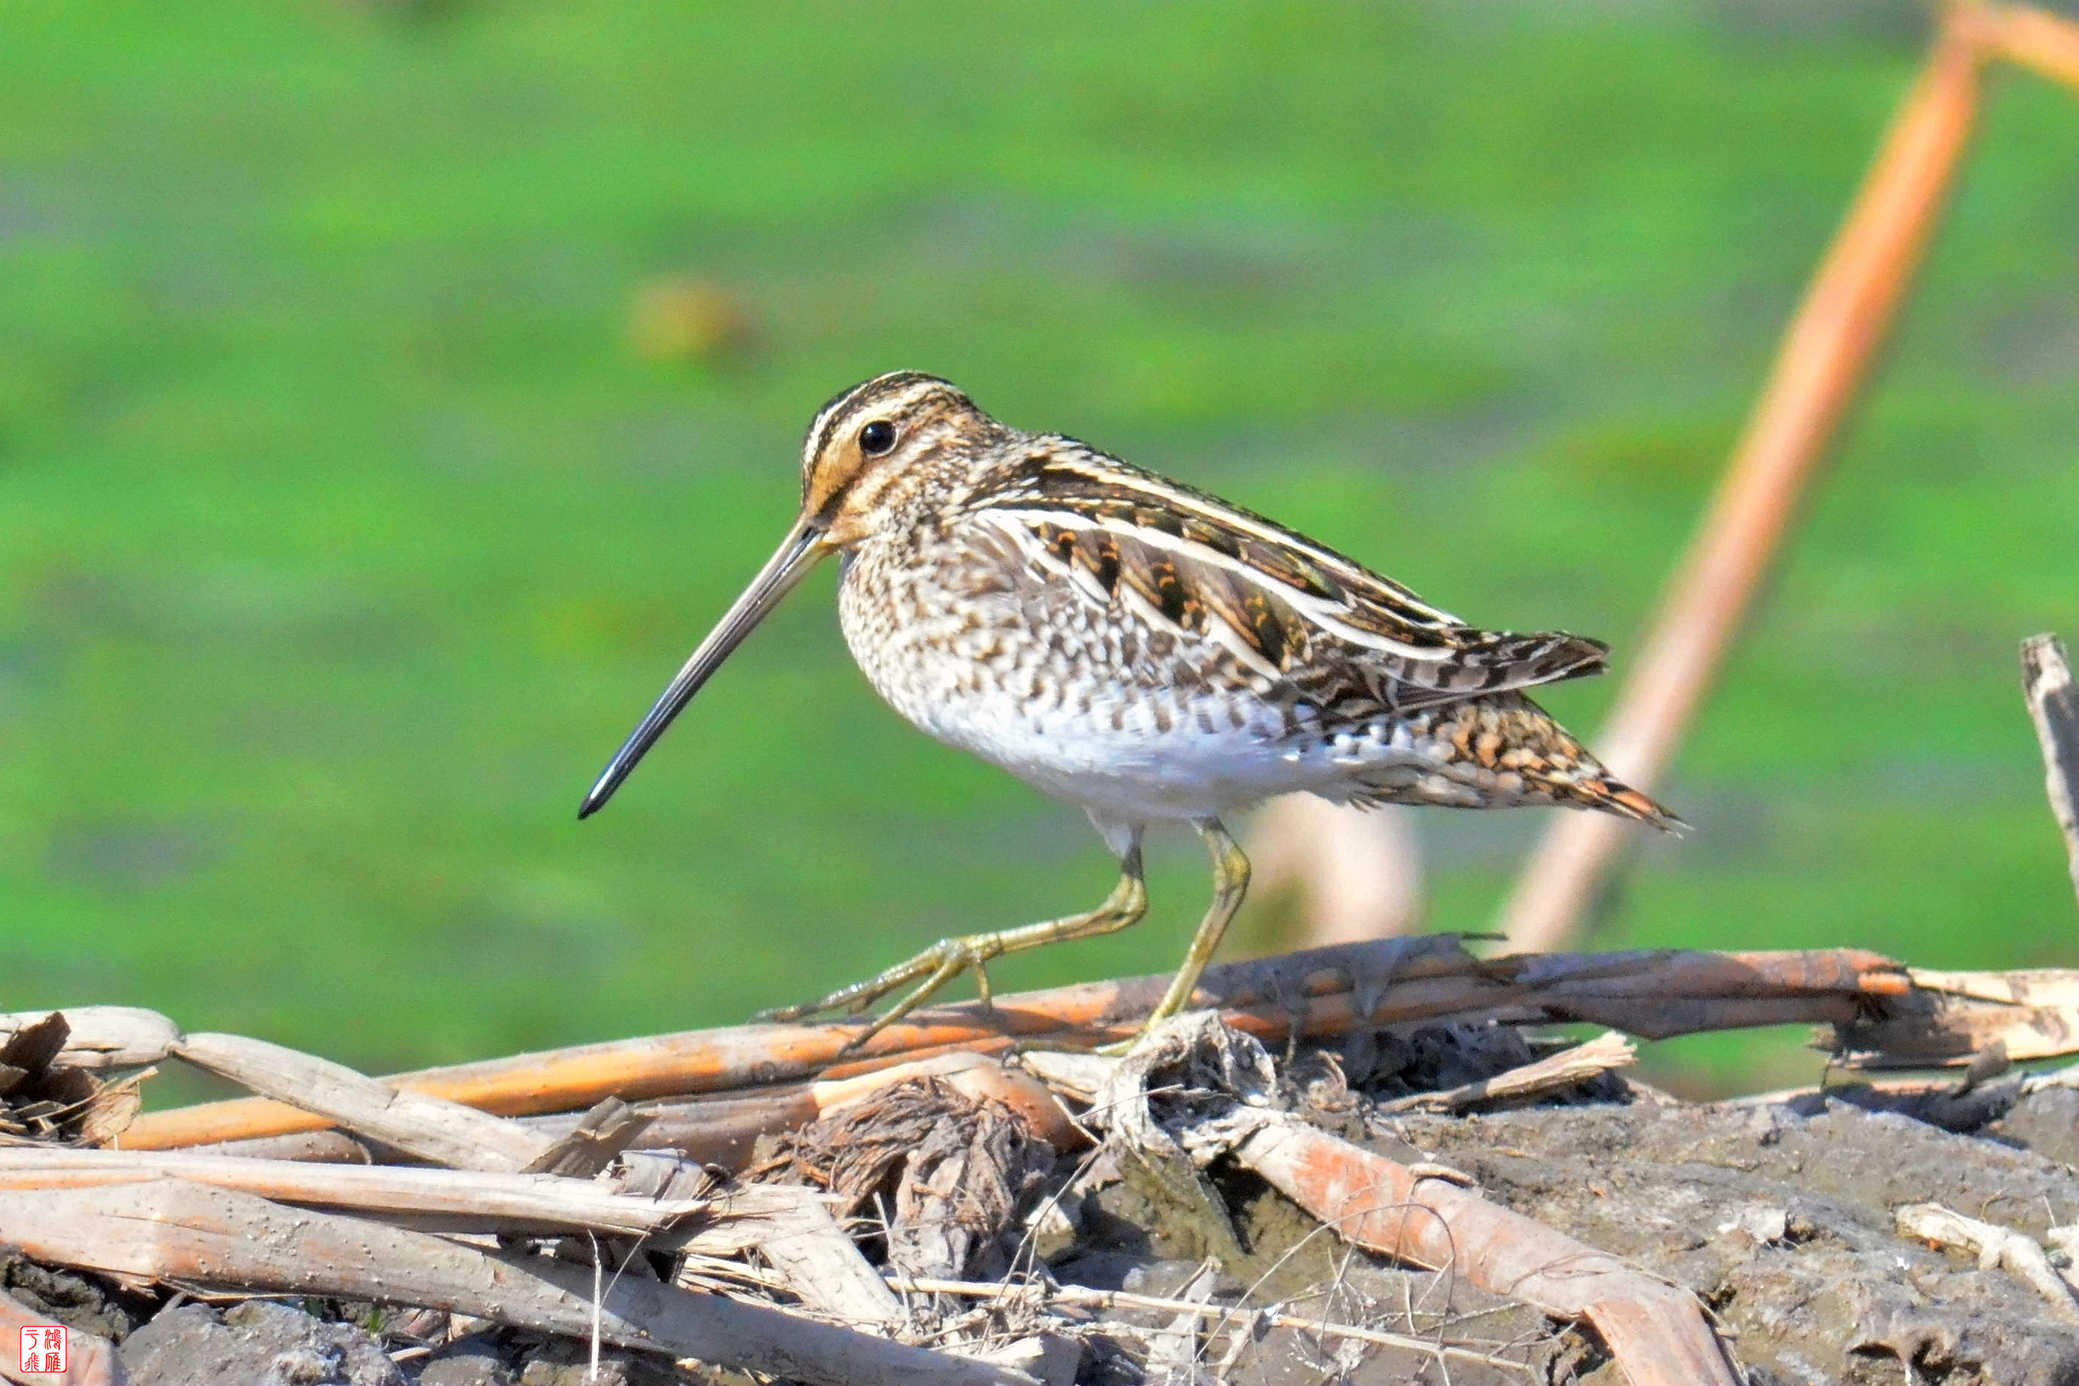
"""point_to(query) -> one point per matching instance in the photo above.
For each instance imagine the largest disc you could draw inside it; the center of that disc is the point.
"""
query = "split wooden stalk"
(1822, 363)
(185, 1233)
(439, 1200)
(101, 1037)
(1955, 1018)
(431, 1128)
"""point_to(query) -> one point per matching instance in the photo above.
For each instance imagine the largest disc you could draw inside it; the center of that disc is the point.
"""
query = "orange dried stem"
(2046, 44)
(1325, 991)
(1824, 359)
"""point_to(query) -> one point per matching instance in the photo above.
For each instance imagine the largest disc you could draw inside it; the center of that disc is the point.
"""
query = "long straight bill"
(797, 554)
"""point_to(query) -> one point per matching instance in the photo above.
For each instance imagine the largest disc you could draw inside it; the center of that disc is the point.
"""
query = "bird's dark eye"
(877, 437)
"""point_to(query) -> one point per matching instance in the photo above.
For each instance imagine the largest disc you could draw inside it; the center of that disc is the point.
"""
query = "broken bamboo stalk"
(103, 1036)
(429, 1127)
(439, 1200)
(1826, 354)
(1951, 1018)
(189, 1234)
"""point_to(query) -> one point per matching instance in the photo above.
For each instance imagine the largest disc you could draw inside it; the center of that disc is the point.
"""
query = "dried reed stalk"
(185, 1233)
(1320, 992)
(1825, 356)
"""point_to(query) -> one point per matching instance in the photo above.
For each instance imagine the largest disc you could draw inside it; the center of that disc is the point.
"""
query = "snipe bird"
(1137, 647)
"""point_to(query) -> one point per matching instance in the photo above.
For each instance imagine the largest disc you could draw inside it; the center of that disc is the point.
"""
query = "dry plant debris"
(1192, 1211)
(1825, 356)
(1994, 1246)
(1390, 984)
(42, 1099)
(1218, 1103)
(949, 1175)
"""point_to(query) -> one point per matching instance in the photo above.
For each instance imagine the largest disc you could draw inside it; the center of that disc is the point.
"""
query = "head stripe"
(881, 392)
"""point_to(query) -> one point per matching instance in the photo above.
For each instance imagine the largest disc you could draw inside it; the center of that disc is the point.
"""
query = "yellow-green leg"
(1230, 884)
(949, 957)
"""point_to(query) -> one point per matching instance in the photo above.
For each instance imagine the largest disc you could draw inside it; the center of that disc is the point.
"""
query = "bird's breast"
(1083, 701)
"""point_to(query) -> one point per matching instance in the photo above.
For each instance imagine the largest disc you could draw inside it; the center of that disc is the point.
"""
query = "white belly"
(1076, 719)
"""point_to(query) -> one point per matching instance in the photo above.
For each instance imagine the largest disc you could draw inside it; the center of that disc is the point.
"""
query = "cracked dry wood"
(434, 1200)
(172, 1230)
(431, 1128)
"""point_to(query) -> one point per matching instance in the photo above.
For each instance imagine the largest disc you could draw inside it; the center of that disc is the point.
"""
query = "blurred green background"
(356, 495)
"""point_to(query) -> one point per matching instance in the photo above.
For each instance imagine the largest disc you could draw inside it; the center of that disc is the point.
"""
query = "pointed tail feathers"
(1612, 795)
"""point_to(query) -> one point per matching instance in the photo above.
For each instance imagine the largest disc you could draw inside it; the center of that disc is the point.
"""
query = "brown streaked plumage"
(1137, 647)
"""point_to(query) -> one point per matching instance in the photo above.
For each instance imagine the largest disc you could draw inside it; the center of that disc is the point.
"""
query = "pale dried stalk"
(103, 1036)
(432, 1199)
(791, 1227)
(594, 1142)
(188, 1234)
(431, 1128)
(1552, 1073)
(2020, 1255)
(816, 1261)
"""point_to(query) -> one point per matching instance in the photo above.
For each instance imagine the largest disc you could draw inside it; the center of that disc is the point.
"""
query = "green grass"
(341, 537)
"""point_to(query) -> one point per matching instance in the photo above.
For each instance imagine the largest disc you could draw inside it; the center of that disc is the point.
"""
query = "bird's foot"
(937, 965)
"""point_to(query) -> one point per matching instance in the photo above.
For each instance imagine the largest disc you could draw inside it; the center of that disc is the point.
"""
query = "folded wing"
(1290, 610)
